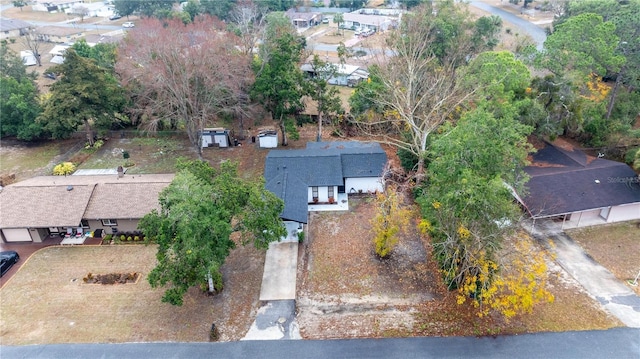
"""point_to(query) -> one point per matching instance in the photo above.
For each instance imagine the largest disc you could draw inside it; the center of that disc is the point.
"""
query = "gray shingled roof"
(289, 173)
(568, 181)
(7, 24)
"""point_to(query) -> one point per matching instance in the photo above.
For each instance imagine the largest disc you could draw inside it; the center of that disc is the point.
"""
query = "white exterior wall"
(364, 185)
(626, 212)
(268, 141)
(323, 194)
(124, 225)
(16, 235)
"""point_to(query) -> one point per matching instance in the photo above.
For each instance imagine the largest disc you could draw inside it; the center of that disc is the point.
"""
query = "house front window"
(109, 222)
(314, 193)
(84, 223)
(330, 191)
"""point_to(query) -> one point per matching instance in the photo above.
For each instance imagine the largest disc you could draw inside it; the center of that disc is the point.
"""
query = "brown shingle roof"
(43, 206)
(124, 200)
(44, 201)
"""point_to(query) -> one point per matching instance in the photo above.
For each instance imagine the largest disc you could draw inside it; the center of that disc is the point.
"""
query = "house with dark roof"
(581, 190)
(34, 209)
(323, 174)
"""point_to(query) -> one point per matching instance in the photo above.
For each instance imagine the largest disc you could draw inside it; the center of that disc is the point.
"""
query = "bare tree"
(81, 11)
(185, 75)
(419, 76)
(249, 21)
(32, 41)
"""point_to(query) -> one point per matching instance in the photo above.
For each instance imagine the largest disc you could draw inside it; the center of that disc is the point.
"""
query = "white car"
(128, 24)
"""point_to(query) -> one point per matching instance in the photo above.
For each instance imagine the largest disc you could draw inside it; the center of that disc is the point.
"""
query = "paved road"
(619, 343)
(537, 33)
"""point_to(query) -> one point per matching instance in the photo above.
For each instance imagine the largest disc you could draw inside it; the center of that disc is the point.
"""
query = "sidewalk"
(614, 295)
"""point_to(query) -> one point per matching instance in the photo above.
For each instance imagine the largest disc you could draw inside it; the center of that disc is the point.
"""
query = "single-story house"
(303, 19)
(268, 138)
(566, 184)
(12, 28)
(355, 20)
(59, 34)
(216, 137)
(324, 172)
(345, 75)
(43, 206)
(54, 5)
(92, 9)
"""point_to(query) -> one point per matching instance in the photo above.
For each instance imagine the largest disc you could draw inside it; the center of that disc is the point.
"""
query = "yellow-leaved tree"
(391, 218)
(518, 285)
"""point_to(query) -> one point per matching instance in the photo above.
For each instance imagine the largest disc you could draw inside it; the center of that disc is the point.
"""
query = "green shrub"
(300, 236)
(63, 169)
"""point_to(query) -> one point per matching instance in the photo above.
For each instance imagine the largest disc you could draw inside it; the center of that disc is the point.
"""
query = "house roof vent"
(69, 188)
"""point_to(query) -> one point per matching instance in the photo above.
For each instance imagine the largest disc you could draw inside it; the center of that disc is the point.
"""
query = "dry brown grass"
(616, 247)
(345, 291)
(47, 302)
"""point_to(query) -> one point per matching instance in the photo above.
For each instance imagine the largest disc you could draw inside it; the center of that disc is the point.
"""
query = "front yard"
(47, 301)
(616, 247)
(345, 291)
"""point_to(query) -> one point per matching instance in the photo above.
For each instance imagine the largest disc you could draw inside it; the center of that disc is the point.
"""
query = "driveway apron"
(601, 284)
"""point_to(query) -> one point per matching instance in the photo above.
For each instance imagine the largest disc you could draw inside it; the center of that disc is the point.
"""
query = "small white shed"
(268, 138)
(215, 137)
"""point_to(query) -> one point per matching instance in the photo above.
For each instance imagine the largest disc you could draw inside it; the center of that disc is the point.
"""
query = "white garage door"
(17, 235)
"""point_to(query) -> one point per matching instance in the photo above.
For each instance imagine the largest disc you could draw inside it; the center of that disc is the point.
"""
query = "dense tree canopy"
(86, 94)
(466, 202)
(200, 210)
(187, 76)
(19, 105)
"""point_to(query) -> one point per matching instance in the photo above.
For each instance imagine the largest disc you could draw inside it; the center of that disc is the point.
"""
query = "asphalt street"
(619, 343)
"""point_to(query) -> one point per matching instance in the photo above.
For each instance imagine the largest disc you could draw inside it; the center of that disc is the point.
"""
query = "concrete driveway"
(615, 296)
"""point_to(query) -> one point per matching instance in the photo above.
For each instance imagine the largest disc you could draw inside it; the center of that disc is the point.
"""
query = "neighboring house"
(216, 137)
(55, 5)
(92, 9)
(580, 190)
(346, 75)
(323, 173)
(34, 209)
(354, 20)
(303, 19)
(59, 34)
(12, 28)
(94, 39)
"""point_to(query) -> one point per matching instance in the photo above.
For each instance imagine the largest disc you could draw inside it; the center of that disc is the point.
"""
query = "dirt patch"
(63, 309)
(616, 247)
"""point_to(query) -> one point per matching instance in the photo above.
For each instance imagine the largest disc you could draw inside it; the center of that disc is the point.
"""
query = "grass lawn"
(25, 160)
(47, 302)
(616, 247)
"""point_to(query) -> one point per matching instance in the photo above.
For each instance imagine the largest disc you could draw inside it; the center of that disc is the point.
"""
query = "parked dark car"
(115, 17)
(7, 260)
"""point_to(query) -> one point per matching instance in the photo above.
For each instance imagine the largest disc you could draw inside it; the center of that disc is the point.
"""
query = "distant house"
(216, 137)
(581, 190)
(54, 5)
(59, 34)
(40, 207)
(12, 28)
(345, 75)
(323, 173)
(303, 19)
(355, 20)
(92, 9)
